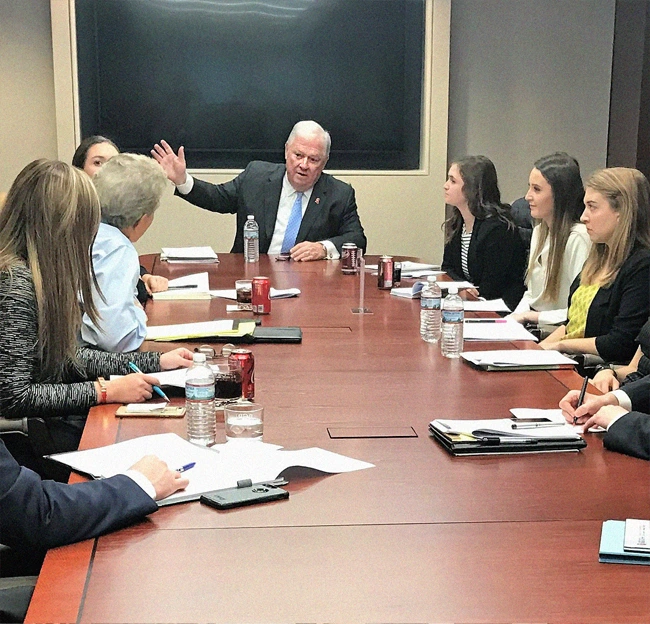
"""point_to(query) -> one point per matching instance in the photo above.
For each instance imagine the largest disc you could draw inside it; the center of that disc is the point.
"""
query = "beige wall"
(27, 119)
(528, 78)
(524, 81)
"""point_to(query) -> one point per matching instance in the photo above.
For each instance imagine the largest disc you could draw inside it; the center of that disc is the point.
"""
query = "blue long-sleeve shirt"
(123, 323)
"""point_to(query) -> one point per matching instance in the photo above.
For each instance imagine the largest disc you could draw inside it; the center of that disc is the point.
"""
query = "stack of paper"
(495, 330)
(517, 359)
(615, 547)
(215, 468)
(195, 286)
(206, 329)
(197, 255)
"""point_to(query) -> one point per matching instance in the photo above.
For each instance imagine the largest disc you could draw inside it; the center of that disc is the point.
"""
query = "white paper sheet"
(199, 288)
(216, 468)
(494, 305)
(507, 330)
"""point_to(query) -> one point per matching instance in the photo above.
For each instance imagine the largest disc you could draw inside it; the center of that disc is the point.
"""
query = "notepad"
(612, 550)
(493, 305)
(206, 329)
(195, 286)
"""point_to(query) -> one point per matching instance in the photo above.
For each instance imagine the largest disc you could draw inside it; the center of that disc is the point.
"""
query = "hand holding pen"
(156, 388)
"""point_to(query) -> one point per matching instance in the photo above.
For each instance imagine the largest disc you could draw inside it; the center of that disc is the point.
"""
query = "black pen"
(500, 320)
(581, 397)
(182, 287)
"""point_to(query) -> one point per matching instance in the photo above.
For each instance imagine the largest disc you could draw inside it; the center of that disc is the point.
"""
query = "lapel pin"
(317, 200)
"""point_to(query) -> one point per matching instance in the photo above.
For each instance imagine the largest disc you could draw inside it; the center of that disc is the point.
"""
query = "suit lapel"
(315, 209)
(271, 198)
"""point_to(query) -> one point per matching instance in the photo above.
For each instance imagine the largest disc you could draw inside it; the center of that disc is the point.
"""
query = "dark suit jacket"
(43, 514)
(617, 314)
(330, 215)
(496, 260)
(630, 434)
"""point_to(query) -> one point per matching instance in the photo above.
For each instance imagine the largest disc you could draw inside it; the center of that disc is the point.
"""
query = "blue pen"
(156, 389)
(186, 467)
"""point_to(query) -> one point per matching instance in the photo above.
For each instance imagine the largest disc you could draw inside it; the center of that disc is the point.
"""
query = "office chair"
(28, 440)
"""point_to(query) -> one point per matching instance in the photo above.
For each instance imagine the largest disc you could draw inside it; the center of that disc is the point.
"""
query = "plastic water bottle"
(199, 402)
(251, 240)
(430, 298)
(453, 315)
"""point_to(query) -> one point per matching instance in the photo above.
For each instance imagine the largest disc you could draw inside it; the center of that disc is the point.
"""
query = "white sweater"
(575, 254)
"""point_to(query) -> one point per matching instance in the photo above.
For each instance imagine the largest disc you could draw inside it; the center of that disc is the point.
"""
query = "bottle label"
(452, 316)
(430, 303)
(199, 393)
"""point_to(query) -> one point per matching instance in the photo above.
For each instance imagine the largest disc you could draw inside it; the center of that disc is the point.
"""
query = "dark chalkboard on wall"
(229, 78)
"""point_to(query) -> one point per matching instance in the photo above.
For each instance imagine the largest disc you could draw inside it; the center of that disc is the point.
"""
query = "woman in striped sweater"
(47, 227)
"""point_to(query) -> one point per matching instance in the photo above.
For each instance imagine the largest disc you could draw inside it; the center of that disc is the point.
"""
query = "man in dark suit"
(299, 209)
(36, 515)
(624, 413)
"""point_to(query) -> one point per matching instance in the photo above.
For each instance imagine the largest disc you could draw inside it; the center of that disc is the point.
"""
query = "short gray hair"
(129, 186)
(310, 128)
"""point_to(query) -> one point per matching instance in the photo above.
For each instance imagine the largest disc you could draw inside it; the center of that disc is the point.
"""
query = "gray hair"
(129, 186)
(307, 129)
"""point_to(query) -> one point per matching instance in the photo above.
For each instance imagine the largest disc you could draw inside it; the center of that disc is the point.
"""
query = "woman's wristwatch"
(103, 390)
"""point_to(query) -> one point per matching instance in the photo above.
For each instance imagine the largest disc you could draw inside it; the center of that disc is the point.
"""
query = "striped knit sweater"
(23, 389)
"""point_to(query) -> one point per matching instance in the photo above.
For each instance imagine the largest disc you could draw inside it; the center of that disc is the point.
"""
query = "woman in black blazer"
(609, 300)
(483, 244)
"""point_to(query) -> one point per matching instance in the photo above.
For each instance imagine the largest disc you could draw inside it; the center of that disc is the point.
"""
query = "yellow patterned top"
(578, 311)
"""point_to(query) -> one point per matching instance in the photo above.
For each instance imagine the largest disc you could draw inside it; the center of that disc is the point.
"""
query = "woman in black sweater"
(483, 244)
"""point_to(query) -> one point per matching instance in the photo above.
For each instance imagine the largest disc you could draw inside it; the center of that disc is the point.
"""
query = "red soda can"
(245, 359)
(261, 297)
(385, 273)
(349, 259)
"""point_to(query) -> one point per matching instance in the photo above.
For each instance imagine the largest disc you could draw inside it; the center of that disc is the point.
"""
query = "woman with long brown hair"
(609, 302)
(482, 244)
(47, 228)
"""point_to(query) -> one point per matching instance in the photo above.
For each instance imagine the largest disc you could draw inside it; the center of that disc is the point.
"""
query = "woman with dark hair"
(482, 244)
(91, 154)
(560, 243)
(608, 302)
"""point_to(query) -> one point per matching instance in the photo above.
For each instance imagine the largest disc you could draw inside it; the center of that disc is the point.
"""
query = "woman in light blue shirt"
(129, 187)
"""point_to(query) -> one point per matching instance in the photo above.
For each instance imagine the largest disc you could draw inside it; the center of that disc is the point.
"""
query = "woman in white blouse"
(560, 244)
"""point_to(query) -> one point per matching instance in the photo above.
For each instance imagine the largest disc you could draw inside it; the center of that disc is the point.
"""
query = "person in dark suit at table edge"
(36, 515)
(299, 209)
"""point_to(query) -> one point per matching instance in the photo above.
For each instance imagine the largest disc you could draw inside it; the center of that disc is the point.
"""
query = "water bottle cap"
(452, 290)
(250, 217)
(432, 278)
(198, 358)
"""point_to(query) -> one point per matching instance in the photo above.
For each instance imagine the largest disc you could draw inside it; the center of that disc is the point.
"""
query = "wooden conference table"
(422, 537)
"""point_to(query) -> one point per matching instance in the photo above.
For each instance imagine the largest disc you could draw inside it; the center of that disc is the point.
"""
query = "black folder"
(458, 444)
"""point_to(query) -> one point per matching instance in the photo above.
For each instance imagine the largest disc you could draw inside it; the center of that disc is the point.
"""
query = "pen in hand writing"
(581, 397)
(186, 467)
(156, 389)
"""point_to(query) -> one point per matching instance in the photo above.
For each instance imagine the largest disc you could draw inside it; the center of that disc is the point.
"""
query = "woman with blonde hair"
(609, 302)
(559, 244)
(47, 227)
